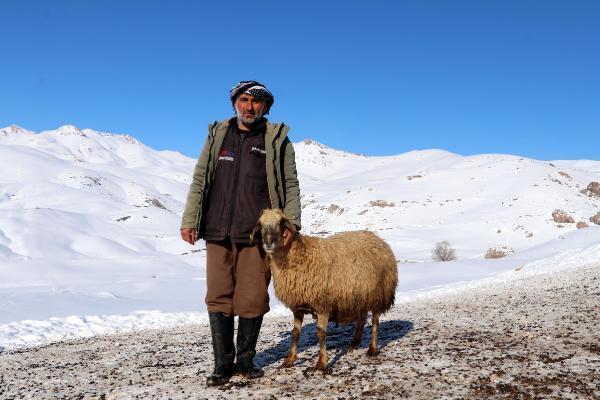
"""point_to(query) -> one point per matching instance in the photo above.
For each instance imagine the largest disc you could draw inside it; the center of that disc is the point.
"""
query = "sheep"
(340, 279)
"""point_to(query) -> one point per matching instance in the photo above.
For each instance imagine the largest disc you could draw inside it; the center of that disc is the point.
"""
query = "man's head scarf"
(255, 89)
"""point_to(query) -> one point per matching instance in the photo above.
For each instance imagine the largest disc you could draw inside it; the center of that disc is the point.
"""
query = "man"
(247, 164)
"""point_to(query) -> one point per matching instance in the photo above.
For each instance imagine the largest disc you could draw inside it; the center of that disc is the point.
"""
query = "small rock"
(157, 203)
(596, 218)
(381, 203)
(564, 174)
(592, 190)
(581, 224)
(562, 217)
(335, 209)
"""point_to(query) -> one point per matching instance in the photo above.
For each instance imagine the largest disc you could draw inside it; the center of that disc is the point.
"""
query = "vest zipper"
(267, 172)
(235, 184)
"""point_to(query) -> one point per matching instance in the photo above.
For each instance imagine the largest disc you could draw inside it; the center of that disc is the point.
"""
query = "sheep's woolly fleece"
(348, 273)
(339, 278)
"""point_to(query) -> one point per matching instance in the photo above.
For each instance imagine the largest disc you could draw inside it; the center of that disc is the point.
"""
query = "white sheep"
(340, 278)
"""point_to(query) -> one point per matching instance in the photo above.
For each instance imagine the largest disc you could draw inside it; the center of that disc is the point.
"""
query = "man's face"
(249, 109)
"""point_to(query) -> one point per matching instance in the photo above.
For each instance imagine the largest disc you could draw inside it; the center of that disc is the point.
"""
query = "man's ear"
(255, 233)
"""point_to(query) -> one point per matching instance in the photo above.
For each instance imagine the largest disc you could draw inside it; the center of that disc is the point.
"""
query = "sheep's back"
(364, 274)
(346, 274)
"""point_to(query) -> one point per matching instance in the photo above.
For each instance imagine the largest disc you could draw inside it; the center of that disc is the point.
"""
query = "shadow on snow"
(338, 339)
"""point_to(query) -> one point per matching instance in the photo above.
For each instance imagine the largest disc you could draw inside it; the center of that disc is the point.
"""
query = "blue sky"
(377, 77)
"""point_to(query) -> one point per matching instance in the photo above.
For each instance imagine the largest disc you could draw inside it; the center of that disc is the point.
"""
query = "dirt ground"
(533, 338)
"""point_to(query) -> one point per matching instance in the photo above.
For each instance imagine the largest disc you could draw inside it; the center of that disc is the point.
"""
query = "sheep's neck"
(282, 259)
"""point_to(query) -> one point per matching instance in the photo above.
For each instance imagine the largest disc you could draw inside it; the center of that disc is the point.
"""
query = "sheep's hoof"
(328, 371)
(321, 366)
(288, 363)
(372, 352)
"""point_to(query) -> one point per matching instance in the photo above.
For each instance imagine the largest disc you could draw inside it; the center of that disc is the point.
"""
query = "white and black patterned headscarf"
(255, 89)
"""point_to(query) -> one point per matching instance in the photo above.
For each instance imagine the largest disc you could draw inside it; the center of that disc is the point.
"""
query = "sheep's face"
(272, 225)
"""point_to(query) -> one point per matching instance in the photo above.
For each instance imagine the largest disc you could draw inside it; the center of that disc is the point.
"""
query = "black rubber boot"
(221, 329)
(247, 336)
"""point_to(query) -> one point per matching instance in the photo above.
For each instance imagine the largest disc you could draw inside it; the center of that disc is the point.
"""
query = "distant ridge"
(413, 199)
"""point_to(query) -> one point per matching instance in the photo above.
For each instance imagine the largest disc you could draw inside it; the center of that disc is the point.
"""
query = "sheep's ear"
(256, 230)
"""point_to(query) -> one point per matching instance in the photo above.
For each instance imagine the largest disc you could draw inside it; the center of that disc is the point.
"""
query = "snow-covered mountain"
(72, 193)
(89, 221)
(421, 197)
(79, 193)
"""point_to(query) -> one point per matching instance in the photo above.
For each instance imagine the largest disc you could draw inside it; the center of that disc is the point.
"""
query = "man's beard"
(248, 120)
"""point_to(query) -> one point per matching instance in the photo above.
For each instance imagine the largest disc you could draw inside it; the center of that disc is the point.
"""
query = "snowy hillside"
(421, 197)
(89, 221)
(111, 196)
(73, 193)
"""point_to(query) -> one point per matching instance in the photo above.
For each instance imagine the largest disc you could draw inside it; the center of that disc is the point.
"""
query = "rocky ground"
(533, 338)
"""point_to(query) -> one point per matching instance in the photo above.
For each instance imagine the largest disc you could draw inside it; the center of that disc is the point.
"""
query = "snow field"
(89, 226)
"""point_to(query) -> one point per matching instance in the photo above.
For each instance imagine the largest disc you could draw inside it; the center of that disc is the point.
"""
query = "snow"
(89, 226)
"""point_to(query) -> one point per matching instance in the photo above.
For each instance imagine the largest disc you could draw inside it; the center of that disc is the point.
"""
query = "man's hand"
(288, 237)
(189, 235)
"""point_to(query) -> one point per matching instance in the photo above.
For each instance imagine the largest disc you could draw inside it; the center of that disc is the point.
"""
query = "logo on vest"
(258, 150)
(226, 155)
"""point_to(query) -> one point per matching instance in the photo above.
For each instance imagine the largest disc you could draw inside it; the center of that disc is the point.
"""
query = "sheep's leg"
(322, 321)
(374, 328)
(358, 332)
(293, 354)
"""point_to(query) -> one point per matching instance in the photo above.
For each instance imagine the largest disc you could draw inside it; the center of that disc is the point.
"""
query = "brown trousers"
(237, 279)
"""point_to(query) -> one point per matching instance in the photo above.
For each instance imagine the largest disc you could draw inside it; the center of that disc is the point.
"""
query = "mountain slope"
(89, 222)
(125, 192)
(421, 197)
